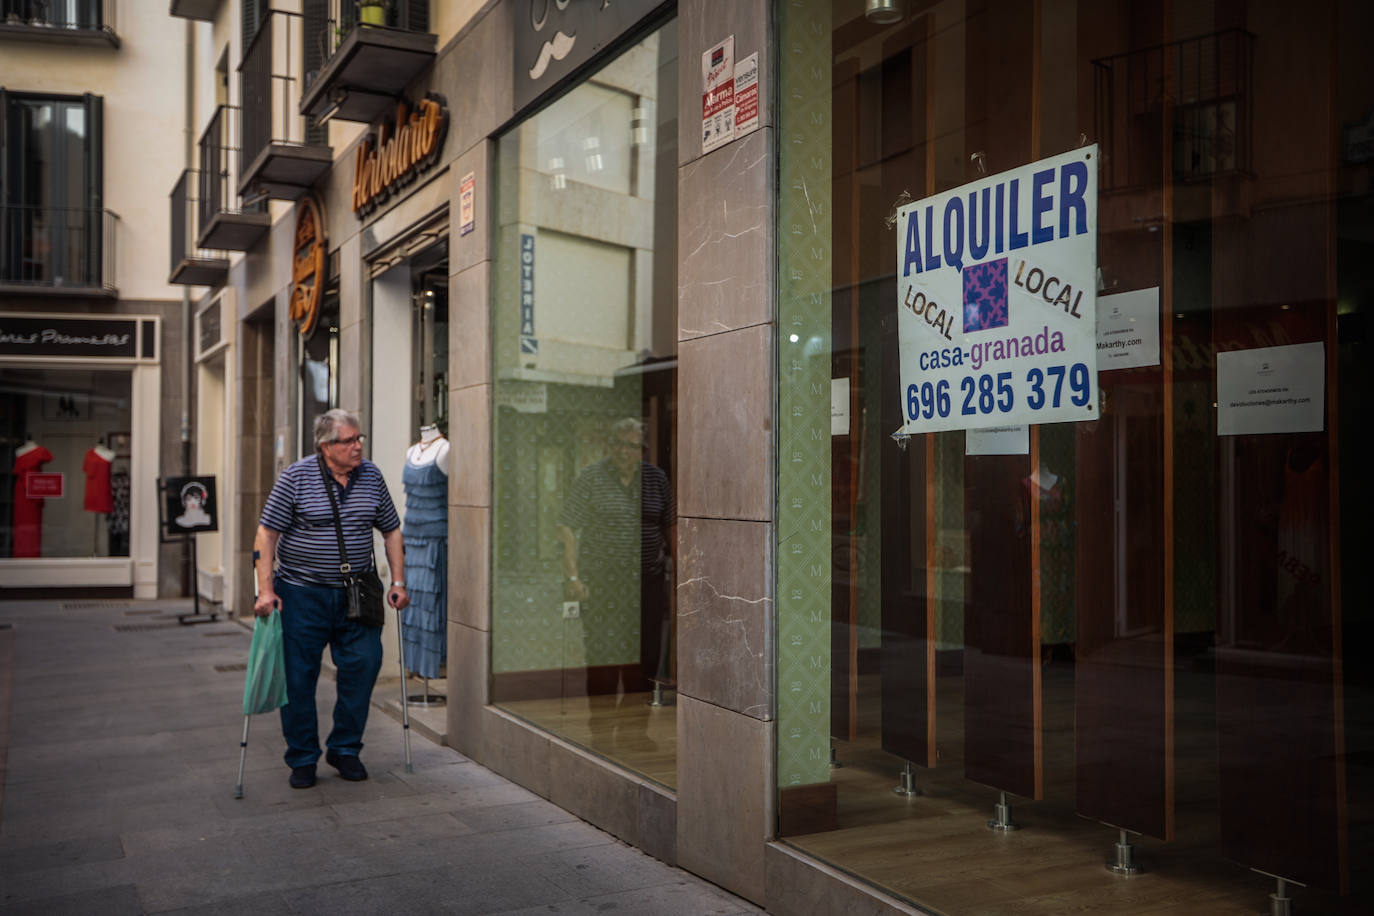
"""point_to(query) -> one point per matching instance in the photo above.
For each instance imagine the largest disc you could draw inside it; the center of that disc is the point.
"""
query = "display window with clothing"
(299, 573)
(64, 445)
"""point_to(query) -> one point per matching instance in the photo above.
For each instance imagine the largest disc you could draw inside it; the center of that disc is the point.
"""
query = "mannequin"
(97, 469)
(425, 531)
(431, 449)
(28, 513)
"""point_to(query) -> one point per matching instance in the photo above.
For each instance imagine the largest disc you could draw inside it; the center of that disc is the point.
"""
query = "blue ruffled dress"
(425, 531)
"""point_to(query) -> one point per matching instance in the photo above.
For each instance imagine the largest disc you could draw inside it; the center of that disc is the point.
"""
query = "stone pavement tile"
(333, 789)
(605, 869)
(450, 776)
(118, 900)
(39, 827)
(508, 817)
(679, 899)
(424, 891)
(511, 845)
(46, 883)
(493, 888)
(279, 822)
(431, 803)
(424, 827)
(215, 873)
(64, 853)
(269, 904)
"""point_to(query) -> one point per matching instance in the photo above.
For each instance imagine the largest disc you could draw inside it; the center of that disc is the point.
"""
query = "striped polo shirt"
(615, 522)
(298, 507)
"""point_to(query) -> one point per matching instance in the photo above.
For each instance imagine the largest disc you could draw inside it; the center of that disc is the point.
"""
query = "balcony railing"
(358, 67)
(59, 20)
(58, 249)
(1205, 83)
(225, 223)
(192, 265)
(284, 153)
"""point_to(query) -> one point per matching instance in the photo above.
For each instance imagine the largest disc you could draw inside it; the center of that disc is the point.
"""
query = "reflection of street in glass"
(193, 498)
(616, 528)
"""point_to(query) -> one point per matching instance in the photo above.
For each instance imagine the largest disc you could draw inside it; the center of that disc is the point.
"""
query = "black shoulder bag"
(364, 590)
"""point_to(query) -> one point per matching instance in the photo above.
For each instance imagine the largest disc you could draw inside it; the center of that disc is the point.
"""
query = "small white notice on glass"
(998, 440)
(1128, 330)
(1271, 390)
(747, 95)
(718, 95)
(467, 198)
(839, 407)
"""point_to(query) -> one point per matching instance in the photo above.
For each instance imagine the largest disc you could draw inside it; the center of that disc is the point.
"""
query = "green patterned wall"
(804, 353)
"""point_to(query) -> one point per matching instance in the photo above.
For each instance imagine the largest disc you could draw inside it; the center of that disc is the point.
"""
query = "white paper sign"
(747, 95)
(839, 407)
(1128, 330)
(1271, 390)
(718, 95)
(998, 440)
(996, 299)
(467, 198)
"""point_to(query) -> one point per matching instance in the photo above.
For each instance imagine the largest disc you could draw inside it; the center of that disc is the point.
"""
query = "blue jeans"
(313, 617)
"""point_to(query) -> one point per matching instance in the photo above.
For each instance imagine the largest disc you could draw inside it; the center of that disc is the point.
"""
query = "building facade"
(874, 426)
(92, 371)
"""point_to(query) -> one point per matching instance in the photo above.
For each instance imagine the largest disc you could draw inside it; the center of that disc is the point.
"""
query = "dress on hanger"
(425, 532)
(99, 497)
(28, 513)
(118, 519)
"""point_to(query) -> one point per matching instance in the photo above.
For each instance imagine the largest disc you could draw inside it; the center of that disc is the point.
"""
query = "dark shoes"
(348, 765)
(303, 777)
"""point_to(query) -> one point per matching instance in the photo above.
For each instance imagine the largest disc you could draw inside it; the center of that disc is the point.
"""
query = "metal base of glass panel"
(1123, 863)
(1001, 819)
(907, 786)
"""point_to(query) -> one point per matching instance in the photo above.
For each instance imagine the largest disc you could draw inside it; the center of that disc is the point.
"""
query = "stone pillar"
(726, 318)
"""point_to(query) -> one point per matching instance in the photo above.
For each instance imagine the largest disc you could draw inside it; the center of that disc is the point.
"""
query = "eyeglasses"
(351, 440)
(629, 446)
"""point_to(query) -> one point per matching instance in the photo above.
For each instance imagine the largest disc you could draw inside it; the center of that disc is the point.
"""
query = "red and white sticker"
(718, 95)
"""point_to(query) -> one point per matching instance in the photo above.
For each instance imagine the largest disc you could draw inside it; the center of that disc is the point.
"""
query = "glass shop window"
(584, 329)
(1134, 632)
(64, 462)
(429, 341)
(319, 370)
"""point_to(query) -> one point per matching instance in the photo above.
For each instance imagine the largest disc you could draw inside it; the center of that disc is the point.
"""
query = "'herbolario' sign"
(996, 299)
(394, 155)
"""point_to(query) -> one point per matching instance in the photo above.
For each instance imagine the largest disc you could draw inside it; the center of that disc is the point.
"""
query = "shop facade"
(722, 575)
(93, 369)
(83, 419)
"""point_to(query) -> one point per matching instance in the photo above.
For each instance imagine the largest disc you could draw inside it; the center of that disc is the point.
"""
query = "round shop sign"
(307, 266)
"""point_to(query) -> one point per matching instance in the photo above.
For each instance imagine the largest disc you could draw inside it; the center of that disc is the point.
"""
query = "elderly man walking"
(297, 530)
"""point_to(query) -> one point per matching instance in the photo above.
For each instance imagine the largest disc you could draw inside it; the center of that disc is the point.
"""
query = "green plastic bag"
(264, 689)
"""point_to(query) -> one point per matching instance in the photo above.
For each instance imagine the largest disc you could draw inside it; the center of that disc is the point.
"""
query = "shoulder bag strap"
(344, 566)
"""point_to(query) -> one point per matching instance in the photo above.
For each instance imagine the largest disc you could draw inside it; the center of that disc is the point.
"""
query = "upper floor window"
(60, 14)
(51, 189)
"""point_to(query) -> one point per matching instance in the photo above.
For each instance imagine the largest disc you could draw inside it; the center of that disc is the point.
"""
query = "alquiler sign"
(394, 155)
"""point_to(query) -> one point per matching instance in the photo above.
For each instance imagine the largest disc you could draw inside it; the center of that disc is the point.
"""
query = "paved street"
(119, 734)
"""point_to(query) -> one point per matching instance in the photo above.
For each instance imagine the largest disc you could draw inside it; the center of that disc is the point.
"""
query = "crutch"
(243, 742)
(401, 663)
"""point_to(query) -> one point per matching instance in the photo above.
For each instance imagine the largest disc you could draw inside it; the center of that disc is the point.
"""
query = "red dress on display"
(28, 513)
(99, 498)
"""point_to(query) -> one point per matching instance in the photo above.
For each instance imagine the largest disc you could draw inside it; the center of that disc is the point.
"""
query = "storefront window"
(1136, 635)
(64, 447)
(319, 370)
(429, 340)
(584, 329)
